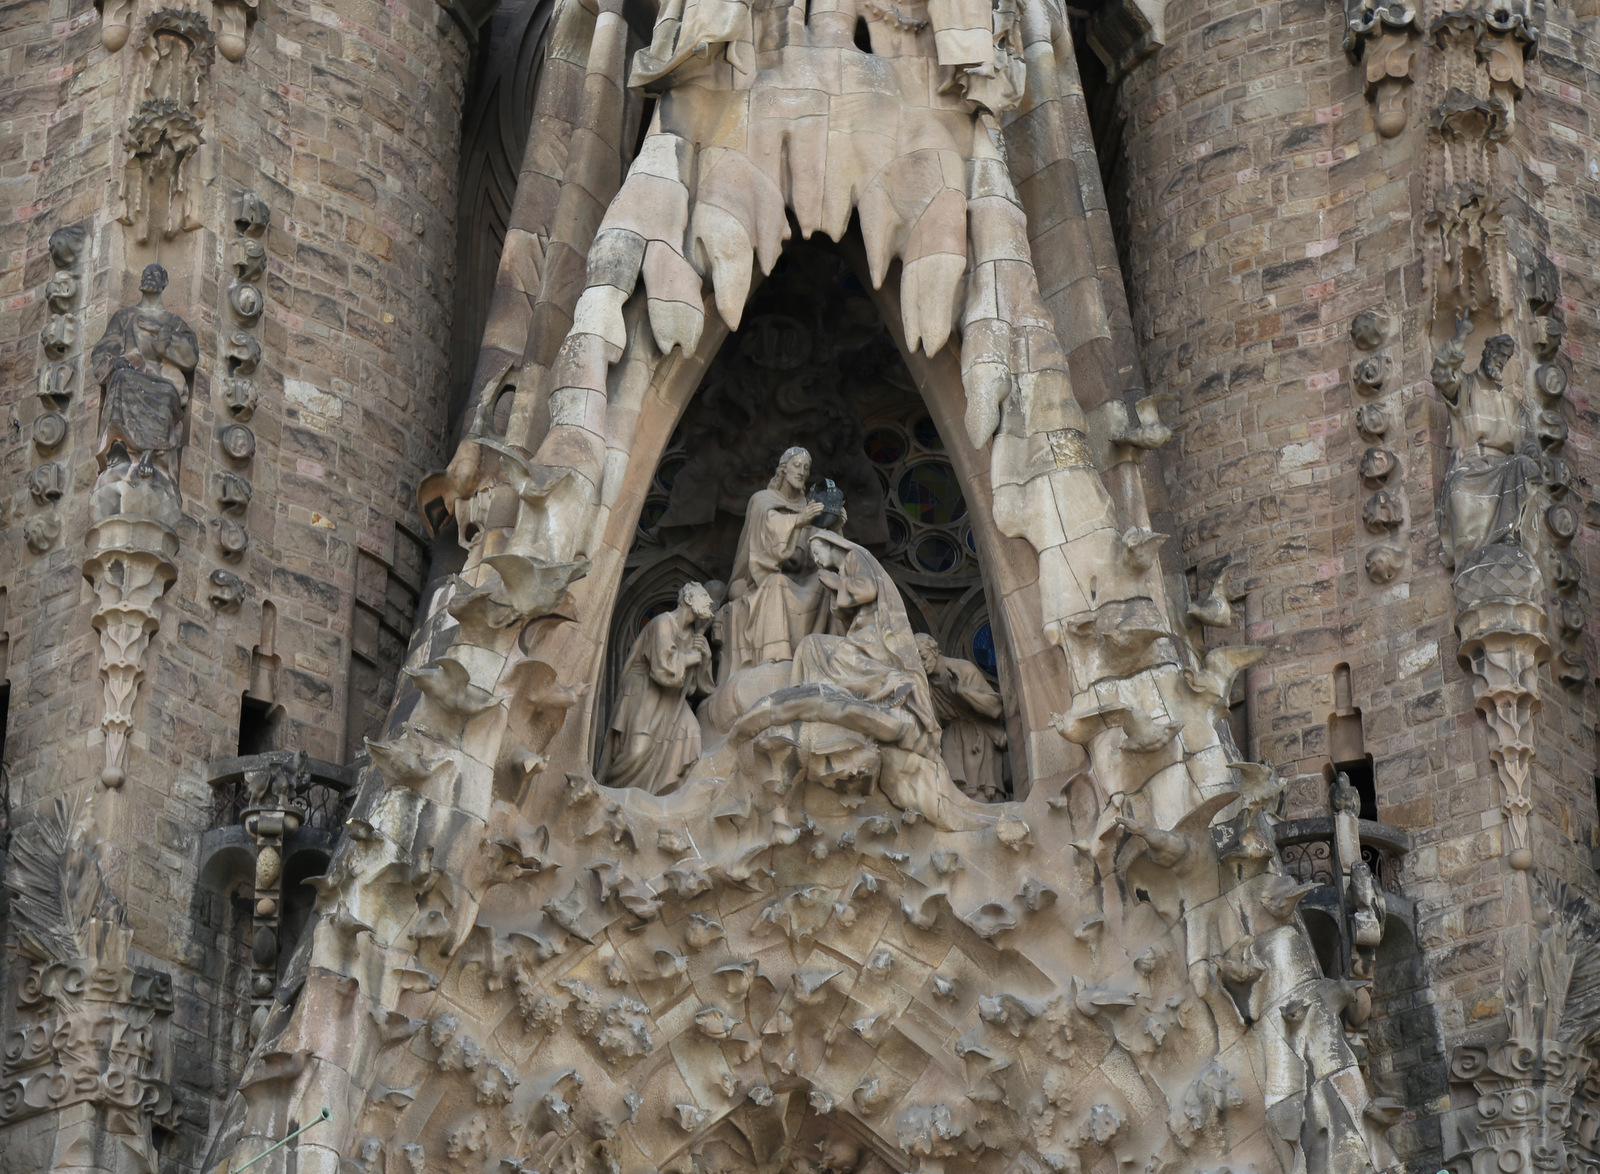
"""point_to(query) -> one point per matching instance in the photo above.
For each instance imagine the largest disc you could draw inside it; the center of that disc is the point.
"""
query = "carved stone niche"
(165, 131)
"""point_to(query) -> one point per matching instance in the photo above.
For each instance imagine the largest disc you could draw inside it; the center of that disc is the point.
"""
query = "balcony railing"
(327, 799)
(1306, 847)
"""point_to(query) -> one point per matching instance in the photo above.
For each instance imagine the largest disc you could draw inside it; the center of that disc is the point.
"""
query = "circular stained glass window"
(970, 539)
(654, 509)
(885, 446)
(659, 608)
(927, 435)
(929, 493)
(983, 650)
(667, 472)
(938, 554)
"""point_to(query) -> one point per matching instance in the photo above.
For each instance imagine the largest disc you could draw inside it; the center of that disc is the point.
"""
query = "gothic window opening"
(813, 366)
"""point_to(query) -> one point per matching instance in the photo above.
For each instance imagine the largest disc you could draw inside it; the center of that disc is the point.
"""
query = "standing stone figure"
(1486, 495)
(654, 738)
(771, 610)
(144, 364)
(968, 708)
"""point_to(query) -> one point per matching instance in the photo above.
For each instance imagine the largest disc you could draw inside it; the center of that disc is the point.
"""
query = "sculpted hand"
(810, 513)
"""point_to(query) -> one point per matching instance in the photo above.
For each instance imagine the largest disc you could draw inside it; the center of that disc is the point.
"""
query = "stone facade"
(1208, 386)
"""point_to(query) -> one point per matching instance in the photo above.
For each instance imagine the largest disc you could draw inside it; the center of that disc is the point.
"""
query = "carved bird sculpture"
(403, 761)
(1259, 784)
(448, 685)
(1149, 432)
(1140, 546)
(1280, 896)
(529, 587)
(702, 931)
(1215, 610)
(811, 986)
(1165, 848)
(1142, 734)
(533, 483)
(715, 1023)
(347, 923)
(1215, 678)
(1237, 964)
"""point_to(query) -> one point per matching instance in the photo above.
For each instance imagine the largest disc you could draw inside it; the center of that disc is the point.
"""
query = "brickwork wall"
(345, 119)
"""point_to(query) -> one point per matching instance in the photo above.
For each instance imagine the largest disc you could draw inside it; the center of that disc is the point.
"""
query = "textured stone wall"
(1556, 170)
(1263, 212)
(345, 121)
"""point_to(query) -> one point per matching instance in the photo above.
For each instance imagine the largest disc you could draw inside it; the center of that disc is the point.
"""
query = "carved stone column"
(1502, 627)
(275, 810)
(131, 566)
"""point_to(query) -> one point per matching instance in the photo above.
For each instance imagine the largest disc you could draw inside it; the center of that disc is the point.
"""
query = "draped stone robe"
(654, 737)
(770, 610)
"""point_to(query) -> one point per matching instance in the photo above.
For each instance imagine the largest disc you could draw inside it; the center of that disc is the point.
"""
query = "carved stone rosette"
(130, 565)
(58, 377)
(1501, 622)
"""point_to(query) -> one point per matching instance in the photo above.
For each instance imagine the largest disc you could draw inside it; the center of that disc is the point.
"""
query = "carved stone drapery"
(1381, 36)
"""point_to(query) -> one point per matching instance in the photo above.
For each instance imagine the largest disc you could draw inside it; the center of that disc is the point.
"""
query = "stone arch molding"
(514, 968)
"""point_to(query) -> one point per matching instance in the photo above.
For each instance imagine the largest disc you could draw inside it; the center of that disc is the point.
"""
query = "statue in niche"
(968, 708)
(145, 365)
(867, 648)
(654, 737)
(770, 608)
(1493, 451)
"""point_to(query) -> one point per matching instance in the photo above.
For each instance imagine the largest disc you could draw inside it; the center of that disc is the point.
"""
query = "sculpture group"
(812, 615)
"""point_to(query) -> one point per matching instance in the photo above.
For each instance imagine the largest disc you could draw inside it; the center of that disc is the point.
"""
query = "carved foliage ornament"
(90, 1025)
(1384, 34)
